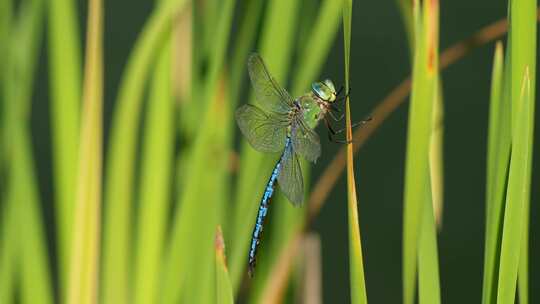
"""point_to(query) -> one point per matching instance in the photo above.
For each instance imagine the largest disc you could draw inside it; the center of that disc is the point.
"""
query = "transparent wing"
(265, 132)
(270, 95)
(305, 141)
(290, 178)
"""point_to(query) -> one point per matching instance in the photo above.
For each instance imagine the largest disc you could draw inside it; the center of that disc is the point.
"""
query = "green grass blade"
(517, 193)
(522, 45)
(24, 252)
(406, 10)
(10, 248)
(188, 275)
(210, 40)
(224, 291)
(6, 12)
(436, 146)
(65, 94)
(436, 159)
(121, 154)
(429, 290)
(428, 264)
(26, 249)
(310, 280)
(495, 114)
(158, 146)
(209, 16)
(356, 267)
(36, 286)
(523, 268)
(497, 171)
(423, 94)
(84, 268)
(523, 26)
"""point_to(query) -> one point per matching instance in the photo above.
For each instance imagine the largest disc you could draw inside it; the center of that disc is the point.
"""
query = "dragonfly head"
(325, 90)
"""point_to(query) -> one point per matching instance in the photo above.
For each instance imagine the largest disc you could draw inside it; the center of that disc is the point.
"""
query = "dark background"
(379, 61)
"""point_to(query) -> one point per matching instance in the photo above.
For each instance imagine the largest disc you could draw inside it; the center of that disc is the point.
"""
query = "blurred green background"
(379, 61)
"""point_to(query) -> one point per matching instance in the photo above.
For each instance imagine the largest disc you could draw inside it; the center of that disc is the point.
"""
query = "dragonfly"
(279, 123)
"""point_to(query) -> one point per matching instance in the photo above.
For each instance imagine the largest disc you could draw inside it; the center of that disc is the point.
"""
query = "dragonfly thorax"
(312, 108)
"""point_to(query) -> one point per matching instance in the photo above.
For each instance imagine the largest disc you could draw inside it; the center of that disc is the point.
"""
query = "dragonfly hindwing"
(305, 141)
(290, 178)
(265, 132)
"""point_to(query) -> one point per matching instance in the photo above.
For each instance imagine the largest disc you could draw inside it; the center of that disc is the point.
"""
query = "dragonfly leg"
(356, 124)
(332, 134)
(334, 108)
(339, 91)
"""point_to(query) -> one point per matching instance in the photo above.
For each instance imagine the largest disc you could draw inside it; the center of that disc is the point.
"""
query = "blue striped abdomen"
(263, 211)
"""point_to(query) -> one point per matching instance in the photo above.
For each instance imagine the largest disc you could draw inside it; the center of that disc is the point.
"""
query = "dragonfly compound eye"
(324, 91)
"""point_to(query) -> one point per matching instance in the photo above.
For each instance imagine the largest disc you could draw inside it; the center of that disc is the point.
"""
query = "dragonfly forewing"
(269, 94)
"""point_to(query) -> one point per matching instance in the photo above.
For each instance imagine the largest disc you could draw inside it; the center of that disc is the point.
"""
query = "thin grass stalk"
(311, 278)
(182, 49)
(121, 154)
(497, 171)
(189, 111)
(406, 10)
(436, 158)
(84, 268)
(356, 267)
(65, 94)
